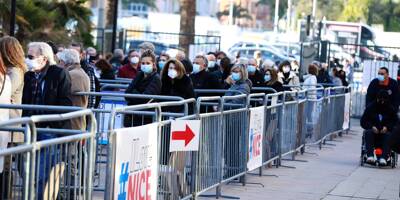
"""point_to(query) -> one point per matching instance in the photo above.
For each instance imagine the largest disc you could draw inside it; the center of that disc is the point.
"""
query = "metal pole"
(276, 18)
(314, 8)
(115, 21)
(289, 15)
(231, 13)
(12, 17)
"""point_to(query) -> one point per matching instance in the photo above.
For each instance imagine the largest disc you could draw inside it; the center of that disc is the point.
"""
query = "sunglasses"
(30, 57)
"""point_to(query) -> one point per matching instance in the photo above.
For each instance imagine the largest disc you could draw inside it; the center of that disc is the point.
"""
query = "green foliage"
(238, 13)
(386, 12)
(46, 20)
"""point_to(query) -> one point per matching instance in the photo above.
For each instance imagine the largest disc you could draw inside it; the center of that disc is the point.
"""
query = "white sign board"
(256, 128)
(136, 164)
(346, 119)
(184, 135)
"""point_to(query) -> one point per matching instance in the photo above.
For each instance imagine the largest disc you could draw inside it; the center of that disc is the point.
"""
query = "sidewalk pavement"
(333, 174)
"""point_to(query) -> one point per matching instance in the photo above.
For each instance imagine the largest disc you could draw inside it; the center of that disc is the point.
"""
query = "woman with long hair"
(5, 98)
(13, 57)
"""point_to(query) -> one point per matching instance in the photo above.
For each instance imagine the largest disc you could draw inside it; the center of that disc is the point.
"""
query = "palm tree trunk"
(187, 24)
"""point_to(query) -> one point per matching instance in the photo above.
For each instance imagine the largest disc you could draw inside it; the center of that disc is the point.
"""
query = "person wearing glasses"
(383, 82)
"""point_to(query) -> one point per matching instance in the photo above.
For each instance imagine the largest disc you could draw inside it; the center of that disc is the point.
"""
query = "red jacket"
(127, 71)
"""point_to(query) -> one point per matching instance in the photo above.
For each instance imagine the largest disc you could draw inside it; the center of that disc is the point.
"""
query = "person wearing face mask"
(255, 75)
(174, 80)
(286, 75)
(201, 78)
(238, 81)
(161, 61)
(45, 84)
(383, 82)
(147, 82)
(80, 82)
(130, 69)
(212, 65)
(271, 80)
(378, 120)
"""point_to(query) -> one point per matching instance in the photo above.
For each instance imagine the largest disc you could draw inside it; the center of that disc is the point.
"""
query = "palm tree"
(188, 15)
(238, 13)
(47, 20)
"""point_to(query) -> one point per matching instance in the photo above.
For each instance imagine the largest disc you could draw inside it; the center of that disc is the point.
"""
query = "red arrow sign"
(186, 135)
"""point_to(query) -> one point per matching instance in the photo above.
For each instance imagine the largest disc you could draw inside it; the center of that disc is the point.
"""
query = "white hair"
(44, 50)
(91, 49)
(69, 56)
(118, 53)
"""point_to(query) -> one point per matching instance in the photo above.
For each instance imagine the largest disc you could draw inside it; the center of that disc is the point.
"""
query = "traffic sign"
(184, 135)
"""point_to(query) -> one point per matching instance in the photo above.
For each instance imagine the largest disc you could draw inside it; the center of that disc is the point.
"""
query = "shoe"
(382, 162)
(370, 159)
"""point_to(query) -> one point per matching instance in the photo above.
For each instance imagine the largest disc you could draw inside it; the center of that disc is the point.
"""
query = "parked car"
(266, 54)
(249, 44)
(159, 47)
(292, 50)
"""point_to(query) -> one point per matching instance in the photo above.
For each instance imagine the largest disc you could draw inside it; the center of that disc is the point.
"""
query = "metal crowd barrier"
(292, 120)
(47, 166)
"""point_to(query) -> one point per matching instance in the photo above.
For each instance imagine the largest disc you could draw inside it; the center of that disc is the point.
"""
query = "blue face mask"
(196, 68)
(381, 77)
(147, 69)
(161, 64)
(236, 76)
(251, 68)
(267, 78)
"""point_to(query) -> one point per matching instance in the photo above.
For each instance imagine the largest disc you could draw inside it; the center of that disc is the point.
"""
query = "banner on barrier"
(346, 119)
(136, 172)
(184, 135)
(256, 128)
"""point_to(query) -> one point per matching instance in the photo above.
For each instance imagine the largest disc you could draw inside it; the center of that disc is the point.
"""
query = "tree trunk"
(187, 24)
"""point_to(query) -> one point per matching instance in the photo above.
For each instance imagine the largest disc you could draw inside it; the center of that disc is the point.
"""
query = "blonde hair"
(12, 53)
(44, 50)
(242, 69)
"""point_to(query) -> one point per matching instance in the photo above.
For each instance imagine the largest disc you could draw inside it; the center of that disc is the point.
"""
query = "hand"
(375, 130)
(384, 130)
(229, 80)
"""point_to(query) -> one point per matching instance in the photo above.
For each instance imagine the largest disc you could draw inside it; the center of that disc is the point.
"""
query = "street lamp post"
(12, 17)
(276, 18)
(115, 23)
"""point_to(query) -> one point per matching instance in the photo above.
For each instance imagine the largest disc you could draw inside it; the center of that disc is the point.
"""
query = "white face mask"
(32, 64)
(286, 69)
(211, 64)
(134, 60)
(172, 73)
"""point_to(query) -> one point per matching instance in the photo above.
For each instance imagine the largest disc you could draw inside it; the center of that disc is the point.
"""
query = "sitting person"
(378, 120)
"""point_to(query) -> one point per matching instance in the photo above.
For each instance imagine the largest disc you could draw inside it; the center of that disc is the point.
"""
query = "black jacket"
(205, 80)
(56, 91)
(257, 79)
(107, 74)
(150, 85)
(374, 88)
(178, 87)
(276, 86)
(379, 116)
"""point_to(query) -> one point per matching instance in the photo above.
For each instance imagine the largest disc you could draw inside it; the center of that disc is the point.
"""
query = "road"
(333, 174)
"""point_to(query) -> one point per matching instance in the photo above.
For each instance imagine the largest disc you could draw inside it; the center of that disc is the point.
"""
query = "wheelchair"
(391, 161)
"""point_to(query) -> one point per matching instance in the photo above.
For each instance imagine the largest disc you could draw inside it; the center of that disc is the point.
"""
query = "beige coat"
(80, 82)
(17, 85)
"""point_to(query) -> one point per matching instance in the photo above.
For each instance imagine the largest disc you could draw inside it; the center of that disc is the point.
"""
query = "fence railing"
(237, 134)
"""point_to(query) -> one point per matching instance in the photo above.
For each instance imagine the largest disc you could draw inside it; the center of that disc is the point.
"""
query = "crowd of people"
(47, 74)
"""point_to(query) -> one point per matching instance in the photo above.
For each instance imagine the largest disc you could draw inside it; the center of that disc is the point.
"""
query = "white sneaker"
(370, 159)
(382, 162)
